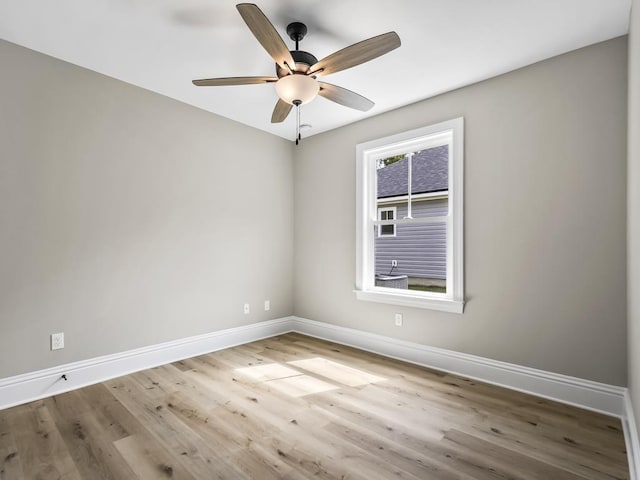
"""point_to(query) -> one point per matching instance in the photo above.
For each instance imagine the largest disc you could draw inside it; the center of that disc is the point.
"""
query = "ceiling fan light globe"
(297, 88)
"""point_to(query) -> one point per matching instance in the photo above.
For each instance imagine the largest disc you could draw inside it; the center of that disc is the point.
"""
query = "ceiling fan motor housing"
(304, 60)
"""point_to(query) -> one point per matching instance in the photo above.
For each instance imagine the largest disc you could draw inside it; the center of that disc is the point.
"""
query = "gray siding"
(420, 250)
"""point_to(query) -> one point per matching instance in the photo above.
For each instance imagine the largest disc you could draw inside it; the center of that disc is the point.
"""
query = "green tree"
(385, 162)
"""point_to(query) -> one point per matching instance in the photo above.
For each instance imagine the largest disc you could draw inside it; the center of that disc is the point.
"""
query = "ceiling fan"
(297, 70)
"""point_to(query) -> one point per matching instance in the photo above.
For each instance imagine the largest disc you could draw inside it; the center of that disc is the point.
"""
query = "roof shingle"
(430, 173)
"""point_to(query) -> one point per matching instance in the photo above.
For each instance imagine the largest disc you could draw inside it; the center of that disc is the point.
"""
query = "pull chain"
(297, 124)
(298, 137)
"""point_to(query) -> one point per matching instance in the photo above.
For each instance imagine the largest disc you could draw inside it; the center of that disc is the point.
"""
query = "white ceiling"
(161, 45)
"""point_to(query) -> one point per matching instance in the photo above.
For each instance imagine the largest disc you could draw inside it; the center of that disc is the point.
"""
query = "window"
(387, 230)
(409, 218)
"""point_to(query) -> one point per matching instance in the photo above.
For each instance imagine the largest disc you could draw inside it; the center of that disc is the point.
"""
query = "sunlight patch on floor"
(270, 371)
(294, 381)
(301, 385)
(336, 372)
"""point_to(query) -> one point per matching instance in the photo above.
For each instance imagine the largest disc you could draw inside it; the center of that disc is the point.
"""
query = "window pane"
(391, 183)
(430, 170)
(387, 229)
(429, 207)
(413, 256)
(430, 180)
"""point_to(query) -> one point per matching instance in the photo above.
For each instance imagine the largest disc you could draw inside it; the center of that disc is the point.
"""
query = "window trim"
(366, 155)
(420, 197)
(395, 217)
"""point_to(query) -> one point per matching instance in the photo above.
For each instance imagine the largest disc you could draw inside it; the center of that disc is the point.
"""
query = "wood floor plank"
(551, 453)
(486, 460)
(186, 448)
(43, 453)
(10, 468)
(411, 461)
(294, 407)
(90, 445)
(149, 460)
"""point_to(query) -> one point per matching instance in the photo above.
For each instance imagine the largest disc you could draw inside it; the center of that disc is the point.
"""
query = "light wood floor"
(296, 407)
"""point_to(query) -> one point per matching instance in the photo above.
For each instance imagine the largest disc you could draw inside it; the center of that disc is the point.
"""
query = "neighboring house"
(418, 250)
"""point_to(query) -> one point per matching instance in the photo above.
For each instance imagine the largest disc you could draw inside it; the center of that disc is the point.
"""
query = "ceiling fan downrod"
(296, 32)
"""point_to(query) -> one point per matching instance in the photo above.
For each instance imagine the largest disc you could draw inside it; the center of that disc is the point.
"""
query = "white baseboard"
(631, 438)
(582, 393)
(600, 397)
(44, 383)
(608, 399)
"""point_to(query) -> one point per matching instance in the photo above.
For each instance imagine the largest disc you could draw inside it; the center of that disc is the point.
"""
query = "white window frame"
(395, 217)
(449, 133)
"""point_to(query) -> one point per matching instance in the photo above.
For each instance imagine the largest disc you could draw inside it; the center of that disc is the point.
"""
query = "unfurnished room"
(320, 239)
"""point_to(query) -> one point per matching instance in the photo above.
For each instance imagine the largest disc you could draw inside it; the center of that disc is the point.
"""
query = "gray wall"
(633, 213)
(130, 219)
(545, 218)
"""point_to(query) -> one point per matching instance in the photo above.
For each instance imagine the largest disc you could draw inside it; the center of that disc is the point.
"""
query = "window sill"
(405, 300)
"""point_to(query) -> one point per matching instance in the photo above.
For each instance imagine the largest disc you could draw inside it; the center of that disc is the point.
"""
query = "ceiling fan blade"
(218, 82)
(356, 54)
(281, 111)
(266, 34)
(345, 97)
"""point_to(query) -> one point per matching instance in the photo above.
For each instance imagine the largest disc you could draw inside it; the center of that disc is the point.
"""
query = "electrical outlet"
(267, 305)
(247, 309)
(398, 320)
(57, 341)
(394, 263)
